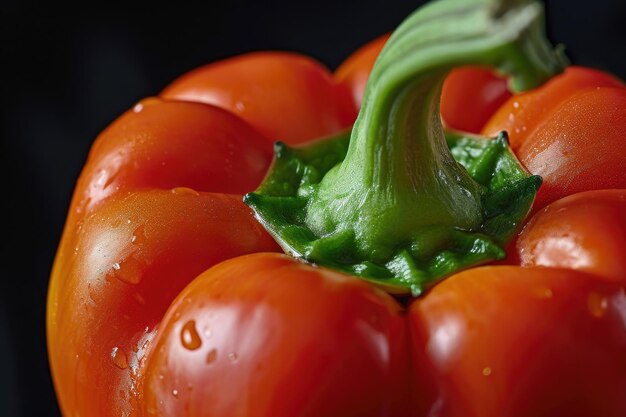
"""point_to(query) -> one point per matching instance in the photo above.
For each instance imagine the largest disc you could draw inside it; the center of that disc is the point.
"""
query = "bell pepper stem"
(398, 208)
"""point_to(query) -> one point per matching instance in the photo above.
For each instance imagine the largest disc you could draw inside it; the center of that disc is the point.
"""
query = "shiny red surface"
(265, 335)
(512, 342)
(285, 96)
(585, 231)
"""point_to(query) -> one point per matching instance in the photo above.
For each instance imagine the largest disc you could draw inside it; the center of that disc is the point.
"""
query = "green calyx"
(396, 201)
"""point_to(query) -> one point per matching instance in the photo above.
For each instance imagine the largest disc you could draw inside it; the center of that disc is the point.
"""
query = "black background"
(67, 76)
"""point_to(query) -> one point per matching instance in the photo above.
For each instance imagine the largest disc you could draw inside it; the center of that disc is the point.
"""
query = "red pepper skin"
(521, 115)
(585, 231)
(128, 260)
(143, 223)
(579, 146)
(511, 342)
(265, 335)
(285, 96)
(470, 96)
(160, 144)
(126, 222)
(569, 131)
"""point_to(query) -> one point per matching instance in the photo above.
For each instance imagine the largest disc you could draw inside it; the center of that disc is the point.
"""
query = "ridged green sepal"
(395, 201)
(508, 191)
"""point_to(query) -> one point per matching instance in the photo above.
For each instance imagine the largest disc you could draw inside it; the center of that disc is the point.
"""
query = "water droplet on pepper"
(138, 236)
(189, 336)
(130, 270)
(119, 358)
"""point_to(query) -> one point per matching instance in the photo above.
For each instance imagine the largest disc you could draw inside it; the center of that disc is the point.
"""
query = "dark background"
(67, 77)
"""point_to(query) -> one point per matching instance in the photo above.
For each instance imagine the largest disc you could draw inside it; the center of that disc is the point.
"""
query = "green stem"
(399, 207)
(399, 176)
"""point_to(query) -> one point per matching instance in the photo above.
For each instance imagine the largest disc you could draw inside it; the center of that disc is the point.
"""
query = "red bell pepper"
(168, 298)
